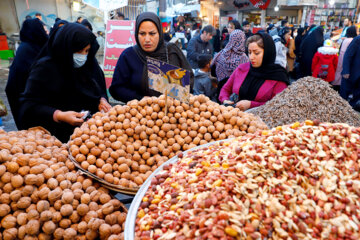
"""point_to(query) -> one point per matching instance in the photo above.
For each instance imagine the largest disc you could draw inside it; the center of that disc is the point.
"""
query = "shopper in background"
(255, 83)
(217, 40)
(79, 19)
(350, 34)
(38, 16)
(281, 41)
(57, 25)
(228, 59)
(203, 82)
(284, 23)
(119, 16)
(247, 30)
(291, 52)
(65, 82)
(87, 24)
(325, 62)
(346, 25)
(351, 74)
(195, 30)
(33, 37)
(308, 48)
(130, 80)
(200, 45)
(232, 25)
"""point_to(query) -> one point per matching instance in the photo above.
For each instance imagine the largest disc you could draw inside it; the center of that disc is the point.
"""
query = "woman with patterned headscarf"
(228, 59)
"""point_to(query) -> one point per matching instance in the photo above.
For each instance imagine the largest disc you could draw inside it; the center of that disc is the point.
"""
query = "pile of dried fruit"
(42, 198)
(293, 182)
(307, 98)
(126, 144)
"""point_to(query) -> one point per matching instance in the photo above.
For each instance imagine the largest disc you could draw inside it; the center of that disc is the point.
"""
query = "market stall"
(198, 169)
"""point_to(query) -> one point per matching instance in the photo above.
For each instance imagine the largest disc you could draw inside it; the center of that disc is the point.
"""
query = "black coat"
(217, 40)
(196, 47)
(33, 37)
(308, 48)
(54, 84)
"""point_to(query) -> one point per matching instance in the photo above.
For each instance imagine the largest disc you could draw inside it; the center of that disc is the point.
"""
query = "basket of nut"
(123, 147)
(298, 181)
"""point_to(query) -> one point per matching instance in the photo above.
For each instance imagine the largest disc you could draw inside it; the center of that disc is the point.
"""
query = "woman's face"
(231, 27)
(85, 50)
(256, 54)
(148, 36)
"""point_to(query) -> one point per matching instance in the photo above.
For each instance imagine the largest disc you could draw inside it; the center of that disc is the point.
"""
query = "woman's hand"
(228, 102)
(69, 117)
(104, 105)
(243, 105)
(346, 76)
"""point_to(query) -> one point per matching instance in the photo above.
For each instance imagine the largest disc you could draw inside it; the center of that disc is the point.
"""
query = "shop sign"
(119, 36)
(106, 5)
(308, 2)
(169, 80)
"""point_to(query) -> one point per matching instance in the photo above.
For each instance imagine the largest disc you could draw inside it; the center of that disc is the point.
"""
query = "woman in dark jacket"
(33, 37)
(58, 24)
(298, 39)
(66, 81)
(130, 80)
(309, 47)
(350, 84)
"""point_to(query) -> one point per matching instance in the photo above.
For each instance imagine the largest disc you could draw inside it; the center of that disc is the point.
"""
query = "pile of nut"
(298, 181)
(125, 145)
(307, 98)
(42, 197)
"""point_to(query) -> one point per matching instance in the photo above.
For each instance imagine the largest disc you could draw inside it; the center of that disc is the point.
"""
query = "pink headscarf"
(228, 59)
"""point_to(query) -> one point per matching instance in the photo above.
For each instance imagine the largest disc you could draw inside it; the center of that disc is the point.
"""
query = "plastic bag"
(3, 110)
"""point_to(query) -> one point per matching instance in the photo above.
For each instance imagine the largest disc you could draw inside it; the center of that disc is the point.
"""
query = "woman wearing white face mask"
(64, 81)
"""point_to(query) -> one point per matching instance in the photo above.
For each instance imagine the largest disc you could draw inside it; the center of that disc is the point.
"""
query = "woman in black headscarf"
(130, 80)
(58, 24)
(64, 82)
(308, 48)
(87, 24)
(253, 84)
(33, 37)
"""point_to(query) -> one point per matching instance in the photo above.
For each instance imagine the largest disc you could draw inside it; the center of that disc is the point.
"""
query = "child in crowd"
(325, 62)
(204, 83)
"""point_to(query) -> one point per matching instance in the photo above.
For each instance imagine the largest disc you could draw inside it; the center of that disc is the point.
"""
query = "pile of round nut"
(307, 98)
(126, 144)
(42, 197)
(298, 181)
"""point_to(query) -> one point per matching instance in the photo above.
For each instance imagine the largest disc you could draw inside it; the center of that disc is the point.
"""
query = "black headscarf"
(32, 31)
(283, 31)
(69, 39)
(56, 26)
(86, 23)
(166, 52)
(351, 32)
(267, 71)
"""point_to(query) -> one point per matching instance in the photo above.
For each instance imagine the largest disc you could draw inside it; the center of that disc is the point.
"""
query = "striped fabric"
(133, 9)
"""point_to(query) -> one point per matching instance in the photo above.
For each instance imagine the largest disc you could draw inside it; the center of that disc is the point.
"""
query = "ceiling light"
(276, 8)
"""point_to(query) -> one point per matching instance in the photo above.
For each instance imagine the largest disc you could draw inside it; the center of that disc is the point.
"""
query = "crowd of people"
(55, 79)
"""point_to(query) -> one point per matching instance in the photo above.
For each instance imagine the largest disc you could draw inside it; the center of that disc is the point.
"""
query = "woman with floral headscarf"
(228, 59)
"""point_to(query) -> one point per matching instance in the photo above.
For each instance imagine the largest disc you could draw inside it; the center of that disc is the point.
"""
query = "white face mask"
(295, 34)
(79, 60)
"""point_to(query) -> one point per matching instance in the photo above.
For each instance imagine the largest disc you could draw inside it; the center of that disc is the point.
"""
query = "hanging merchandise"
(262, 4)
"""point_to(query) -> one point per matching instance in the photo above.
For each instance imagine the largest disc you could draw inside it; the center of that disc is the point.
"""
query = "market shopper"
(247, 30)
(325, 62)
(200, 45)
(346, 25)
(232, 25)
(253, 84)
(308, 48)
(33, 37)
(66, 81)
(291, 52)
(281, 42)
(57, 24)
(130, 80)
(228, 59)
(351, 74)
(87, 24)
(350, 34)
(204, 83)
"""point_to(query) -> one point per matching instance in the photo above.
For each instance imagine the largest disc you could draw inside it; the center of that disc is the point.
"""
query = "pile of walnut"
(126, 144)
(42, 197)
(299, 181)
